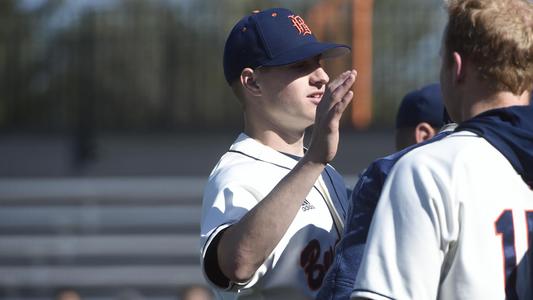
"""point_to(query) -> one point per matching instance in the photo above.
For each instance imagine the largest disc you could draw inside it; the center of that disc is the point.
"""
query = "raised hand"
(325, 138)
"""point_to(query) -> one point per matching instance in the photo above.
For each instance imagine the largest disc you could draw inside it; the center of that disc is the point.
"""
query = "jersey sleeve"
(410, 233)
(222, 207)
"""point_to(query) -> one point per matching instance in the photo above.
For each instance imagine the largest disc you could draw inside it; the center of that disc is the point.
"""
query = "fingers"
(341, 91)
(345, 101)
(339, 80)
(329, 111)
(345, 85)
(338, 89)
(338, 109)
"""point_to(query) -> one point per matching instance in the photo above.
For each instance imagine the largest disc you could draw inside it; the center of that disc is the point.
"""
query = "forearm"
(246, 245)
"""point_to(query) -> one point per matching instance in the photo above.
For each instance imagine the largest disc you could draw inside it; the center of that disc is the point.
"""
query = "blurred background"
(113, 112)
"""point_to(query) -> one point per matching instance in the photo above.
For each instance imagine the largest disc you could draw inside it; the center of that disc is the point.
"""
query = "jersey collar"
(259, 151)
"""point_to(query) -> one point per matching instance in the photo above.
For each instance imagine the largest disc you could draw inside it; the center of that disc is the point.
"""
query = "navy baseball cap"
(423, 105)
(272, 37)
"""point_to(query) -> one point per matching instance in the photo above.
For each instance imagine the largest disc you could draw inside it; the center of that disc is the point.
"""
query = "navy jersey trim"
(211, 263)
(335, 190)
(369, 291)
(258, 159)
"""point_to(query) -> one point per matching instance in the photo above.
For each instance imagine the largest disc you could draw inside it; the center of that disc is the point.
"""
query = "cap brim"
(306, 51)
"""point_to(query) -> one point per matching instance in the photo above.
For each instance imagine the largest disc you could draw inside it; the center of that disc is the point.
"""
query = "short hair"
(497, 36)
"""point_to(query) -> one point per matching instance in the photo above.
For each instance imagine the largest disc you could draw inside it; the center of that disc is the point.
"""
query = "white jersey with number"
(453, 222)
(296, 267)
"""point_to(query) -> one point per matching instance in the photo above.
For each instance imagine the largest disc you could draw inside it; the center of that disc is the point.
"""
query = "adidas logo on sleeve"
(307, 206)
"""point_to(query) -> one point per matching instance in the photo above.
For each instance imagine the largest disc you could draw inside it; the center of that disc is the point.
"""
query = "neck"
(477, 96)
(279, 139)
(483, 103)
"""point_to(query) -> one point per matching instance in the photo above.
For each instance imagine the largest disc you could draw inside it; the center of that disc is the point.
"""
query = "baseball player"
(454, 220)
(420, 116)
(420, 112)
(272, 210)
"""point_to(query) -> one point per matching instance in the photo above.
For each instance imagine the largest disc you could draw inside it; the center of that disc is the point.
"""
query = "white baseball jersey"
(296, 267)
(453, 219)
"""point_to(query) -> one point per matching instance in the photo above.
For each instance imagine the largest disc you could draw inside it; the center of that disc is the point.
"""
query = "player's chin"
(314, 101)
(305, 120)
(310, 120)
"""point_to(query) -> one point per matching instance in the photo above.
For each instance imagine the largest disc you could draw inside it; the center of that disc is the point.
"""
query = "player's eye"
(306, 66)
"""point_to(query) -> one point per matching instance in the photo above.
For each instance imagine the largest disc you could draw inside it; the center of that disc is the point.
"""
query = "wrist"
(317, 156)
(310, 162)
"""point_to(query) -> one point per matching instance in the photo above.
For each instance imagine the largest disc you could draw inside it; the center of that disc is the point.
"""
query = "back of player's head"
(420, 116)
(272, 37)
(497, 36)
(422, 105)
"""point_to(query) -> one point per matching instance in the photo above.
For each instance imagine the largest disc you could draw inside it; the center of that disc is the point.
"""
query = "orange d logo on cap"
(299, 23)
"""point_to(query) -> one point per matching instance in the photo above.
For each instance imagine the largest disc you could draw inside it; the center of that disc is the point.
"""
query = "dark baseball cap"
(272, 37)
(422, 105)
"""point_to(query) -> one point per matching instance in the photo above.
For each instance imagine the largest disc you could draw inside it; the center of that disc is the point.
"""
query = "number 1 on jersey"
(505, 228)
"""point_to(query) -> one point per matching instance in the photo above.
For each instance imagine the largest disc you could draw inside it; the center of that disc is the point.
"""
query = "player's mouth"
(315, 97)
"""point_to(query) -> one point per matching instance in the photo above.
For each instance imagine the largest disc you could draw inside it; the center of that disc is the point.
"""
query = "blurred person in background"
(419, 117)
(196, 292)
(67, 294)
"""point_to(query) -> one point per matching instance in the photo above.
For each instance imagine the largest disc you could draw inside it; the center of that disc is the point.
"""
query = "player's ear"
(249, 82)
(423, 132)
(458, 67)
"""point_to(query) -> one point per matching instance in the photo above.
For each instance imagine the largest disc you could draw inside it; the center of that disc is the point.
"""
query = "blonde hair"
(497, 36)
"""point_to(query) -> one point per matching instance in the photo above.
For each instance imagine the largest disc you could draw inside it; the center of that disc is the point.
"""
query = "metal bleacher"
(100, 237)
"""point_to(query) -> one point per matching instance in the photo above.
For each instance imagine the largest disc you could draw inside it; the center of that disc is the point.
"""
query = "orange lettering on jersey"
(300, 25)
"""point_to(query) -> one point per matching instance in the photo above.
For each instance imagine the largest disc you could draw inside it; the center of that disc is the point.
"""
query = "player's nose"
(319, 77)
